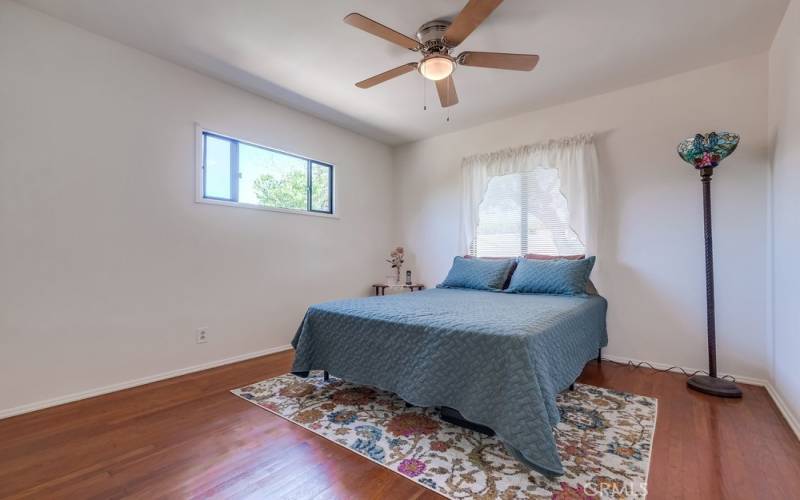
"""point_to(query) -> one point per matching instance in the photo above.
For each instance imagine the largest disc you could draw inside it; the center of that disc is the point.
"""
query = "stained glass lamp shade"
(706, 151)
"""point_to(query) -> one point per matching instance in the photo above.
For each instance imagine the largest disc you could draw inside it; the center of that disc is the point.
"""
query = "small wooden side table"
(380, 288)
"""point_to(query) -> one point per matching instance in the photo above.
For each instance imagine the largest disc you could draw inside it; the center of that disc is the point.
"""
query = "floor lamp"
(704, 152)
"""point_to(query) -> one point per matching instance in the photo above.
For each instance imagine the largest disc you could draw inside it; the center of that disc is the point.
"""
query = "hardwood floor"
(189, 437)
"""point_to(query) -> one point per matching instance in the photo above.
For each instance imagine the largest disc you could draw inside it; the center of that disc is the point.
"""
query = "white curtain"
(575, 158)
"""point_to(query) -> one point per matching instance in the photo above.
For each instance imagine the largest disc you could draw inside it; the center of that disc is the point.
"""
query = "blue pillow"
(555, 277)
(478, 274)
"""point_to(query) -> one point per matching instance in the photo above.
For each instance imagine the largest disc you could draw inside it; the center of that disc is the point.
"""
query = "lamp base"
(714, 386)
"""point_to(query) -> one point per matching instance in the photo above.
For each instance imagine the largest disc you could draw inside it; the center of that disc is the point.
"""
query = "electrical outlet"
(202, 335)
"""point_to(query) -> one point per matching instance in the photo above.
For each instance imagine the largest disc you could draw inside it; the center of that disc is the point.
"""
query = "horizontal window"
(240, 172)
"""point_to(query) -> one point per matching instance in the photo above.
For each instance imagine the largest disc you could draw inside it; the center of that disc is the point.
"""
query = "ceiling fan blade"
(499, 60)
(447, 91)
(386, 75)
(379, 30)
(470, 17)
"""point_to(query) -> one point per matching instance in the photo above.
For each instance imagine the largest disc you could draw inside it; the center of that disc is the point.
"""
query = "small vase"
(397, 275)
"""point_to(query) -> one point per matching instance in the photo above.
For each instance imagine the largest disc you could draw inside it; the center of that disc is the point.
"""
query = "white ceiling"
(300, 53)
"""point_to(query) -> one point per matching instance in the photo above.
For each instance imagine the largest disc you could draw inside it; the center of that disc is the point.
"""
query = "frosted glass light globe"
(436, 68)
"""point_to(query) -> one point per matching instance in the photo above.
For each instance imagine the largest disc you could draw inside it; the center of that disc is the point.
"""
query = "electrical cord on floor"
(673, 369)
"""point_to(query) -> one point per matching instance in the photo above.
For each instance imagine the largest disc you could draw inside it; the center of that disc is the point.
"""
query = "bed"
(498, 358)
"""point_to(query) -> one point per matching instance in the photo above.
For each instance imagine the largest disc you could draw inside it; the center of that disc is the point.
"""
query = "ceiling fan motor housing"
(431, 36)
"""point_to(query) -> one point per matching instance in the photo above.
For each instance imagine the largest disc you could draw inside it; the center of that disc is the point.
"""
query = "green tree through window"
(285, 192)
(289, 191)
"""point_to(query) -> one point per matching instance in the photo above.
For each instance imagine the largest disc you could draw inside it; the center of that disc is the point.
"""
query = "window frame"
(200, 178)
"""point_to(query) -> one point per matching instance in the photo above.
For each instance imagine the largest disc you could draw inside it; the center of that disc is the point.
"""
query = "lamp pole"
(705, 178)
(710, 384)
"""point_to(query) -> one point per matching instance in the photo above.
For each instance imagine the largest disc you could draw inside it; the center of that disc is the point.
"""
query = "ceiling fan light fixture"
(437, 67)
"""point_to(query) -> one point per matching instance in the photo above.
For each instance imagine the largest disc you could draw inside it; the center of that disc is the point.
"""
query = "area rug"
(604, 439)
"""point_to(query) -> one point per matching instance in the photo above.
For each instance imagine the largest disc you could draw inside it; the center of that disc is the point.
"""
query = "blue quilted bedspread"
(498, 358)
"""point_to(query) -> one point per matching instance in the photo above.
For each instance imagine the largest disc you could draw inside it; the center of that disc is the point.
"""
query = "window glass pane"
(548, 215)
(272, 179)
(217, 168)
(525, 213)
(499, 219)
(320, 187)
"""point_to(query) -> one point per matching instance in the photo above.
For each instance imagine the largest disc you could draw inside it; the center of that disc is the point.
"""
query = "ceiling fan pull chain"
(424, 96)
(449, 84)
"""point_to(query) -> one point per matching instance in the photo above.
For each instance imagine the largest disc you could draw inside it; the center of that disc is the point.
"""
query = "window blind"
(525, 213)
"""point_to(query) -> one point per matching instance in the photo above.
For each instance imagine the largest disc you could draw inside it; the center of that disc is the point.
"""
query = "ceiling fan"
(435, 40)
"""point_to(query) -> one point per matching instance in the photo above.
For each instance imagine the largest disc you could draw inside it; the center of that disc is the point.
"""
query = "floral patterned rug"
(604, 439)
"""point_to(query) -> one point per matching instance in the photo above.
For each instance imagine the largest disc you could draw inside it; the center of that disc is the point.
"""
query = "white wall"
(784, 133)
(107, 265)
(651, 265)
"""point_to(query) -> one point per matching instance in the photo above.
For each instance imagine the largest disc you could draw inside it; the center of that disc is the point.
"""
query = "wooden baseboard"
(791, 419)
(99, 391)
(664, 366)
